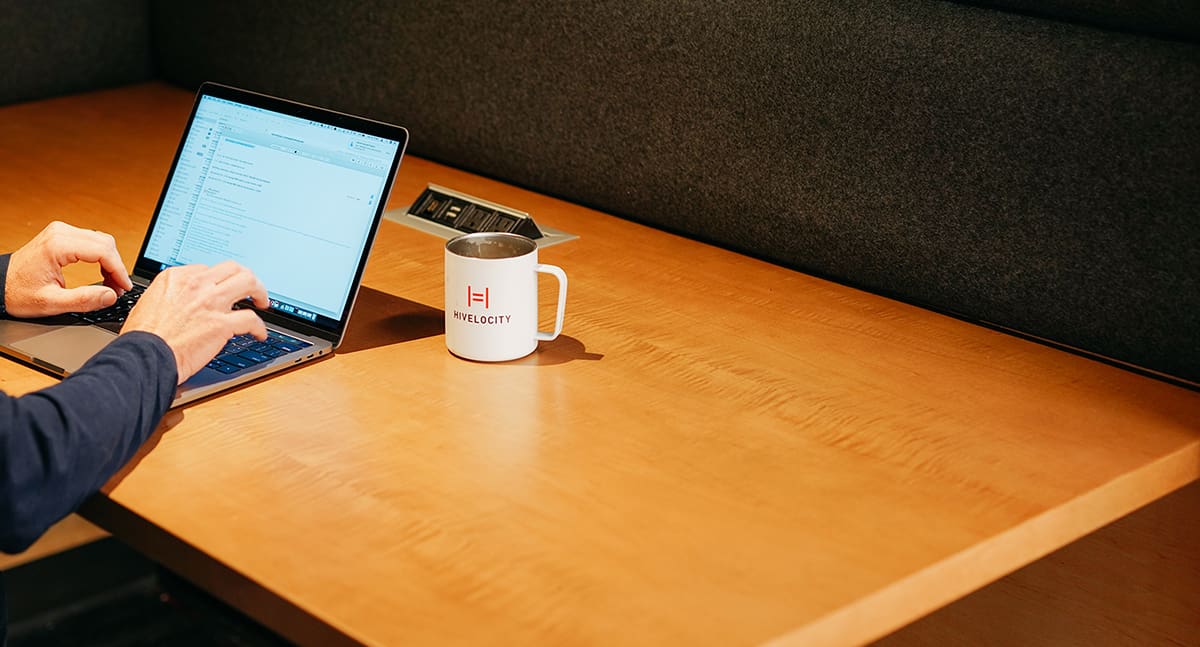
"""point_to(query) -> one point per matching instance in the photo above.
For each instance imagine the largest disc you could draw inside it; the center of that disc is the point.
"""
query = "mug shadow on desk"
(382, 319)
(560, 351)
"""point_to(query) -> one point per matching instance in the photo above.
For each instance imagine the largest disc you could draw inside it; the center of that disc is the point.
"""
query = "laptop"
(293, 192)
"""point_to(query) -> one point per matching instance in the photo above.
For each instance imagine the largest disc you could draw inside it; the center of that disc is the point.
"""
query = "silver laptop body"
(294, 192)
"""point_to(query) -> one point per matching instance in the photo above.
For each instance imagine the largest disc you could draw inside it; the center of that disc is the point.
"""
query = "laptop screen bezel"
(147, 269)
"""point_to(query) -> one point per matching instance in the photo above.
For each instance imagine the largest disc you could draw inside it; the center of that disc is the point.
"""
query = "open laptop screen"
(294, 199)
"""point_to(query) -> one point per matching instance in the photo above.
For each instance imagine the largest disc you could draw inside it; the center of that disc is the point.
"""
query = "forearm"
(60, 444)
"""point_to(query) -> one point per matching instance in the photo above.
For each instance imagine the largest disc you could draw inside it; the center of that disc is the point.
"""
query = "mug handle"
(562, 300)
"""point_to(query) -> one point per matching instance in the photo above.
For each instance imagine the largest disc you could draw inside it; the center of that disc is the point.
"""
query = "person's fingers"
(247, 321)
(182, 271)
(222, 271)
(114, 282)
(82, 299)
(247, 285)
(96, 247)
(235, 282)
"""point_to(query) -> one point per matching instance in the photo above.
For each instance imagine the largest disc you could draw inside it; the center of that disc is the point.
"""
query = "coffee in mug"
(492, 296)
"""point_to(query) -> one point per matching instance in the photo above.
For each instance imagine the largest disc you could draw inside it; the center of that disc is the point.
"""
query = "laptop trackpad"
(66, 348)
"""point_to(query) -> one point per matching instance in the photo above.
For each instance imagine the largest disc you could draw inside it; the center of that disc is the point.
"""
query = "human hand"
(35, 286)
(191, 308)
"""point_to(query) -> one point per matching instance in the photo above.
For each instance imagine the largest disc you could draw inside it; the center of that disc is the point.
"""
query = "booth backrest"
(1030, 165)
(55, 47)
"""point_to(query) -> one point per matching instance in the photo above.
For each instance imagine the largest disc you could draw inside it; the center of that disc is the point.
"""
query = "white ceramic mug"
(492, 296)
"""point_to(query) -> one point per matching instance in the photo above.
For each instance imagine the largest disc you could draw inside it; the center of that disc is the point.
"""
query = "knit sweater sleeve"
(60, 444)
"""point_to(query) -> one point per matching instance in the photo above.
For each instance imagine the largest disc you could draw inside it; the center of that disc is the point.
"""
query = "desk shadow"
(172, 418)
(382, 319)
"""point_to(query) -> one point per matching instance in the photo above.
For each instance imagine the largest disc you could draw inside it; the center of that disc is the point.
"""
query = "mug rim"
(518, 238)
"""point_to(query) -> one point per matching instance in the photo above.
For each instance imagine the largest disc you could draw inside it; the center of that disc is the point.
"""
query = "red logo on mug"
(478, 297)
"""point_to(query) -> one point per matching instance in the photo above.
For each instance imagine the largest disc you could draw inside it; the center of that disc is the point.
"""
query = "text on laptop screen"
(289, 198)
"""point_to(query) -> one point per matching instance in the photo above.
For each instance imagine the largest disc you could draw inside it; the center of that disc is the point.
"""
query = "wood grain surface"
(716, 451)
(1135, 581)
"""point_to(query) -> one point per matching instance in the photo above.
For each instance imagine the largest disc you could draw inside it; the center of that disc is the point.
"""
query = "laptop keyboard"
(113, 317)
(240, 353)
(244, 351)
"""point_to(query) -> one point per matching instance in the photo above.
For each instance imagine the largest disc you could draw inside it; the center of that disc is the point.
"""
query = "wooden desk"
(717, 451)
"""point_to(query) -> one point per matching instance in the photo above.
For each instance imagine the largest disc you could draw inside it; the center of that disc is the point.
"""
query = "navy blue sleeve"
(60, 444)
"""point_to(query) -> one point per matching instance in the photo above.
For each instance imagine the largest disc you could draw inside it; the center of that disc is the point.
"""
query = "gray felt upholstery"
(1033, 173)
(1034, 165)
(1178, 19)
(54, 47)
